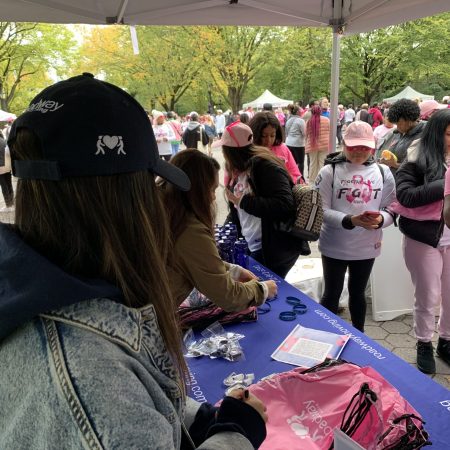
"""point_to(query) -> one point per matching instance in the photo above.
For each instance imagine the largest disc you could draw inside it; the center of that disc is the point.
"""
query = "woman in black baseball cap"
(89, 342)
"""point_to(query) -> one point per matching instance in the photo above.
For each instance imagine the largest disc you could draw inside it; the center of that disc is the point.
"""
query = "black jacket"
(192, 135)
(399, 143)
(2, 151)
(413, 192)
(273, 202)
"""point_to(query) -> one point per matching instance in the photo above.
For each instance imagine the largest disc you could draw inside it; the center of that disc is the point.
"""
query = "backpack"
(370, 119)
(305, 406)
(309, 214)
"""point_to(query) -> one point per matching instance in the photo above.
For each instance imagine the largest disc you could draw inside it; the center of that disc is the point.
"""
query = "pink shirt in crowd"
(285, 154)
(447, 182)
(381, 130)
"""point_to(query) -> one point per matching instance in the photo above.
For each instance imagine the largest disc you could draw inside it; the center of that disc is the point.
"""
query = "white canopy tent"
(267, 97)
(6, 116)
(410, 94)
(345, 16)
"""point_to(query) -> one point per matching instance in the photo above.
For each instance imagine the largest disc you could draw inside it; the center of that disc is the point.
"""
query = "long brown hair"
(109, 227)
(202, 170)
(237, 158)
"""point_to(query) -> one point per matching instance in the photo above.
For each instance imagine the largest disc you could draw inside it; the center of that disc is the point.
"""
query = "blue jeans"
(175, 148)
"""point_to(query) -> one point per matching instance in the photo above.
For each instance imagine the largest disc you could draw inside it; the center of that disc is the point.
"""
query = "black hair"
(293, 109)
(432, 150)
(170, 115)
(262, 120)
(244, 118)
(404, 109)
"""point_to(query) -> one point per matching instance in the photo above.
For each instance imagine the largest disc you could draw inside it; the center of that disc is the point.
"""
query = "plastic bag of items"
(197, 312)
(215, 343)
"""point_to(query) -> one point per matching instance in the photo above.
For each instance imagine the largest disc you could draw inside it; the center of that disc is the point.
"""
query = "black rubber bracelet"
(293, 300)
(300, 309)
(287, 316)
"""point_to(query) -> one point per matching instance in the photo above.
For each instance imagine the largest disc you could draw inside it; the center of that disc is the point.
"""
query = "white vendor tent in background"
(267, 97)
(6, 116)
(410, 94)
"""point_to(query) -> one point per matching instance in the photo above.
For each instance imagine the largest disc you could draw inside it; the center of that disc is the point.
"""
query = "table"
(429, 398)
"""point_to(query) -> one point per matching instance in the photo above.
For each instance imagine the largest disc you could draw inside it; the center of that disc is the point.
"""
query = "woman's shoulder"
(281, 148)
(194, 231)
(258, 162)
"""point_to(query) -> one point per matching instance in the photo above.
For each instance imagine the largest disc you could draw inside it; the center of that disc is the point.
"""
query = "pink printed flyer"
(306, 347)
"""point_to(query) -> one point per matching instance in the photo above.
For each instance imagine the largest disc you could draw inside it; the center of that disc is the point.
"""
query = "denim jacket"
(92, 374)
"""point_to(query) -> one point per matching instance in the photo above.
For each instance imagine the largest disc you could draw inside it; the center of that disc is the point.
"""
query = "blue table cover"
(429, 398)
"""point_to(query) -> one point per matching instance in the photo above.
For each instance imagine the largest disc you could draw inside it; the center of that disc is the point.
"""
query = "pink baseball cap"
(428, 106)
(359, 133)
(237, 134)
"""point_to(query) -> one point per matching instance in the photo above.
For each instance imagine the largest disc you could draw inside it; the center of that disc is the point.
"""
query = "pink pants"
(430, 274)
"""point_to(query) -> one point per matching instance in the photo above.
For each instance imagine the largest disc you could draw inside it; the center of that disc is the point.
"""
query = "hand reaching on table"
(272, 287)
(251, 400)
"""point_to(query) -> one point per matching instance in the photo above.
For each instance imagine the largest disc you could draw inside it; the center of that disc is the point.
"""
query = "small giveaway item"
(216, 343)
(197, 312)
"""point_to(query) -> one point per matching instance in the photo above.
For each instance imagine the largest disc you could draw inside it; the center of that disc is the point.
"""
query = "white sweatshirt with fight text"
(355, 188)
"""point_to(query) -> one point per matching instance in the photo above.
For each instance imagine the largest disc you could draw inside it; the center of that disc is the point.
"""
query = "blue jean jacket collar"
(123, 326)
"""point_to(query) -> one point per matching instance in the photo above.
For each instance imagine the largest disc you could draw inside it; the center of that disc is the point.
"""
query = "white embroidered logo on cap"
(44, 106)
(111, 142)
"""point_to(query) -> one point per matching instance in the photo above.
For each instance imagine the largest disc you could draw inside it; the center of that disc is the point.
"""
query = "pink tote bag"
(304, 407)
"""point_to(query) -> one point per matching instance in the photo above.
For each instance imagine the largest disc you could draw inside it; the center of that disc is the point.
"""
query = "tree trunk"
(234, 98)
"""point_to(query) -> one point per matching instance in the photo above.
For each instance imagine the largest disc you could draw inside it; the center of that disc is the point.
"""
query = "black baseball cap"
(89, 127)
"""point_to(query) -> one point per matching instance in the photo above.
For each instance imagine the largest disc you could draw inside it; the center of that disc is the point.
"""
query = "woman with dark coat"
(260, 196)
(426, 245)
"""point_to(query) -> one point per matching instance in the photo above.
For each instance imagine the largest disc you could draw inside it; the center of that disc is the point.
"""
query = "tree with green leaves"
(382, 61)
(28, 53)
(299, 65)
(234, 55)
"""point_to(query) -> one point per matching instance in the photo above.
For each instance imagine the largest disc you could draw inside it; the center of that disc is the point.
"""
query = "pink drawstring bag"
(305, 406)
(432, 211)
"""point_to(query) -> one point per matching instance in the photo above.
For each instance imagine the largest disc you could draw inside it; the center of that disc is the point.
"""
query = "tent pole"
(334, 98)
(338, 25)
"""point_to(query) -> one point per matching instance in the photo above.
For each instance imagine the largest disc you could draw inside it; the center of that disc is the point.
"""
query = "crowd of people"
(114, 229)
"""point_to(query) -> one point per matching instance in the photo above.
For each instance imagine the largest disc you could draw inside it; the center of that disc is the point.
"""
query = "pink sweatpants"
(430, 274)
